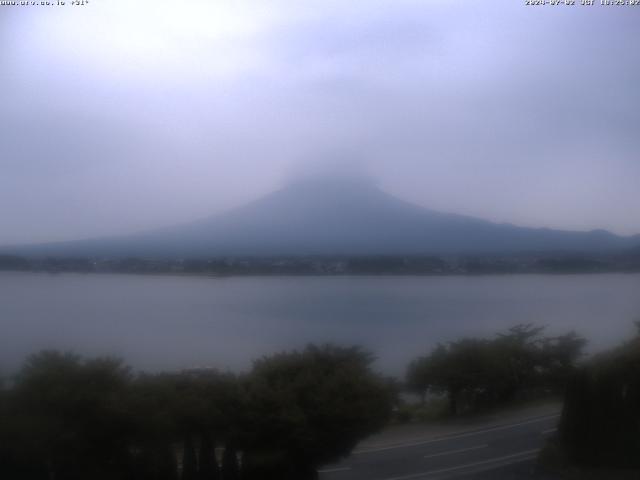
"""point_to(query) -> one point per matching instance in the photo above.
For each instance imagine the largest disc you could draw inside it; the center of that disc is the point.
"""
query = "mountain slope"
(335, 217)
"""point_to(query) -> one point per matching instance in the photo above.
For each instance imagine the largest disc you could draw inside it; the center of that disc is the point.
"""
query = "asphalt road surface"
(493, 451)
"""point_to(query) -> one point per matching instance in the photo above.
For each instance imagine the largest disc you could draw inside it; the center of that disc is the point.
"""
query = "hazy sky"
(119, 116)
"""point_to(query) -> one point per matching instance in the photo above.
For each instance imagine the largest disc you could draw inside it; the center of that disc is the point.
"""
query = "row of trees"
(478, 373)
(67, 418)
(64, 417)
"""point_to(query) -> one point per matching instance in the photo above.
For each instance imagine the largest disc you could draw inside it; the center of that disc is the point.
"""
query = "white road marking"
(334, 470)
(520, 457)
(461, 434)
(547, 432)
(453, 452)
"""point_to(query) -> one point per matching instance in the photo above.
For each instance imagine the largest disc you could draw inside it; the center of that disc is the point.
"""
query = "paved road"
(494, 451)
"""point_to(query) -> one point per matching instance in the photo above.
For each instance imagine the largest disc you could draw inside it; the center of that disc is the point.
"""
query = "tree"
(307, 408)
(208, 468)
(230, 468)
(72, 416)
(468, 372)
(559, 356)
(185, 412)
(418, 378)
(600, 423)
(473, 372)
(155, 434)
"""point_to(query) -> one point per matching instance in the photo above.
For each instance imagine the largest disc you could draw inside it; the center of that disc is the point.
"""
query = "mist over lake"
(175, 322)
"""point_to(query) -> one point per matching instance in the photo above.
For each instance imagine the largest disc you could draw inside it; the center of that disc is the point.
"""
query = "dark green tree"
(184, 412)
(475, 373)
(307, 408)
(600, 424)
(72, 415)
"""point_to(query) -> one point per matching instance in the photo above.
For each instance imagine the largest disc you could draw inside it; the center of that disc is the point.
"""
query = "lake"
(172, 322)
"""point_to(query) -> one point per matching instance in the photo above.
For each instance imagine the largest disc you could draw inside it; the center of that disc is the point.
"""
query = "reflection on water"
(170, 322)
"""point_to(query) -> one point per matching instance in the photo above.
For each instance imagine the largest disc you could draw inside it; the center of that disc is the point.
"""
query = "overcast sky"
(120, 116)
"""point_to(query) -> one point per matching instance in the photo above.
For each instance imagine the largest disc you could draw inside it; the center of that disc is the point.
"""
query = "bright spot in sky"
(153, 36)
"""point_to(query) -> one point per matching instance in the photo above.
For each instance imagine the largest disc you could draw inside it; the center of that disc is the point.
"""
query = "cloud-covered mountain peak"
(340, 215)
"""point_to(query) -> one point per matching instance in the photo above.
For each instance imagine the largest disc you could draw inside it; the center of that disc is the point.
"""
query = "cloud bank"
(122, 116)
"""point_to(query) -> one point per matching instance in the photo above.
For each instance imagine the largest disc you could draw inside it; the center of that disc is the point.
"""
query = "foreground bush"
(600, 425)
(310, 408)
(67, 418)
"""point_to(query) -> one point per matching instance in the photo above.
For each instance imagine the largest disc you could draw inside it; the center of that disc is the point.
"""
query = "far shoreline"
(325, 275)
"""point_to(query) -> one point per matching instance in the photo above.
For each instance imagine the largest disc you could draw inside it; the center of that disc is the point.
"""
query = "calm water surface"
(167, 322)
